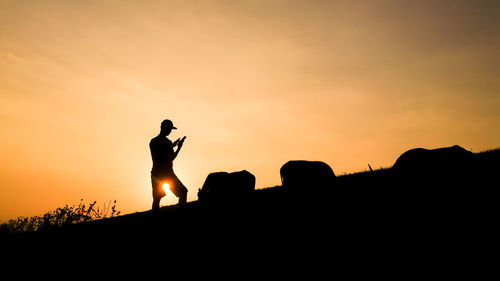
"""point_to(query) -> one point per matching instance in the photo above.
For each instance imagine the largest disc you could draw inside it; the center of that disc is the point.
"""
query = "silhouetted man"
(163, 155)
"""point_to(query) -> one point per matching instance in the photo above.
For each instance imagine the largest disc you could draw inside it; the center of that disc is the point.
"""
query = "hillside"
(375, 209)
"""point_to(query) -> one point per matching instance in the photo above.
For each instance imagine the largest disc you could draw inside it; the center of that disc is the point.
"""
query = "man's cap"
(167, 124)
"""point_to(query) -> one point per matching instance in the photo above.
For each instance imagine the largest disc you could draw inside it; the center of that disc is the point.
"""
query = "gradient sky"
(84, 86)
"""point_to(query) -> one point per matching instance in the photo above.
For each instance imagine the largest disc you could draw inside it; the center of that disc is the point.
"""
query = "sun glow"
(166, 187)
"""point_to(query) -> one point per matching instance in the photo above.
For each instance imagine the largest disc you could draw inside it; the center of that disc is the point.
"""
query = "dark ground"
(433, 218)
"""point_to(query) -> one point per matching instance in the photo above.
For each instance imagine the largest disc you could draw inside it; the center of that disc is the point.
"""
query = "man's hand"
(176, 142)
(181, 142)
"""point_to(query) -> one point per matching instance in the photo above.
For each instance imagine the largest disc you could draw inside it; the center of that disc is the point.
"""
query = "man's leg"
(183, 197)
(156, 205)
(179, 190)
(156, 198)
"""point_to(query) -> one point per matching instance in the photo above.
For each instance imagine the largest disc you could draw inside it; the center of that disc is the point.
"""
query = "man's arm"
(153, 149)
(179, 146)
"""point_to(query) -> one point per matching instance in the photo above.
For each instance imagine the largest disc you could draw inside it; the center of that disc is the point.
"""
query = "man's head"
(166, 127)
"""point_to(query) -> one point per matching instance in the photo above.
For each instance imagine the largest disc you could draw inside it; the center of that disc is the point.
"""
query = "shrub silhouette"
(60, 217)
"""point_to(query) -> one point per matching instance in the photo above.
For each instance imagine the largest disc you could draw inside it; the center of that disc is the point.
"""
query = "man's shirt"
(162, 153)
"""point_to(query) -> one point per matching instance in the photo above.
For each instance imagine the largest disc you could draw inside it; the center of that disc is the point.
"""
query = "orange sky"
(84, 86)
